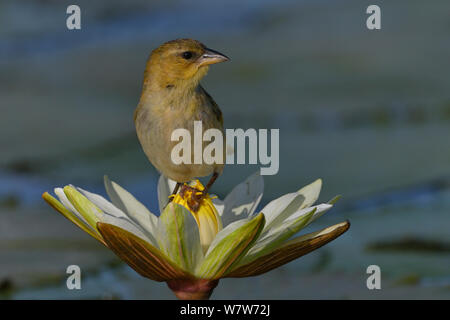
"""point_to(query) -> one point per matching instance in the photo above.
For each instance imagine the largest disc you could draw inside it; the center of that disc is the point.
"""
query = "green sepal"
(229, 246)
(178, 236)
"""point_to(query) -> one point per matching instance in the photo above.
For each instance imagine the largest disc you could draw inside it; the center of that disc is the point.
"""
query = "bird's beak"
(211, 56)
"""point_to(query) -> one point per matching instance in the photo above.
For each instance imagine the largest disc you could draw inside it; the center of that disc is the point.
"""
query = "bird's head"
(181, 61)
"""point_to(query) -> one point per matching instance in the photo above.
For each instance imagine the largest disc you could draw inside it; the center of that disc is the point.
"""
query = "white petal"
(279, 209)
(59, 192)
(310, 193)
(222, 234)
(320, 210)
(103, 204)
(243, 200)
(218, 204)
(282, 208)
(165, 189)
(272, 238)
(127, 225)
(135, 210)
(179, 237)
(229, 246)
(277, 235)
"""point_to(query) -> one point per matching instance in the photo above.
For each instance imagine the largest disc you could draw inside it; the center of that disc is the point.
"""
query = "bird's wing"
(214, 106)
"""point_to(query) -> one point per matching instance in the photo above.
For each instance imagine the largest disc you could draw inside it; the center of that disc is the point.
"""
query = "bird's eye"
(187, 55)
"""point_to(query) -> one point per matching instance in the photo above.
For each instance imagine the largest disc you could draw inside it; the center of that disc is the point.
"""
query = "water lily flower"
(192, 250)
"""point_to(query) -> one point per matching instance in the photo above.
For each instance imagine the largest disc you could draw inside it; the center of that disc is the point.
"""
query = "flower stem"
(192, 289)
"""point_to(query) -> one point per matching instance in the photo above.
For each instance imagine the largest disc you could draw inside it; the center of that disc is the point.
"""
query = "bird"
(172, 98)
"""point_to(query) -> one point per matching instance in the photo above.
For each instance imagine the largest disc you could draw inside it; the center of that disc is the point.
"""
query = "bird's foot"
(195, 198)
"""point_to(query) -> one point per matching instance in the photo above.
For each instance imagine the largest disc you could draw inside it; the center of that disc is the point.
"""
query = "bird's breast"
(157, 118)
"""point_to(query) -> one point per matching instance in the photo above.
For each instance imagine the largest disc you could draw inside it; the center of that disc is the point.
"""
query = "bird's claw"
(195, 198)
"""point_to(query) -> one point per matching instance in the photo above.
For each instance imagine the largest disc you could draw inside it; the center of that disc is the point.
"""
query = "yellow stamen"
(207, 217)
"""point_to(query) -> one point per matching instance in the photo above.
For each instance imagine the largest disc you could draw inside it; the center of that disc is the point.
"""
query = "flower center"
(207, 218)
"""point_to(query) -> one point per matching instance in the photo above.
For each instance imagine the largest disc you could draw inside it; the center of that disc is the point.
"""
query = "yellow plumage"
(173, 98)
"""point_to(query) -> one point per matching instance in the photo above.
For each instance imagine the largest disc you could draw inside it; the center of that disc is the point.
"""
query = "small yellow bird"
(173, 98)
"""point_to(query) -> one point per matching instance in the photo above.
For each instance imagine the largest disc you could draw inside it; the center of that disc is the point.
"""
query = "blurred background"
(366, 111)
